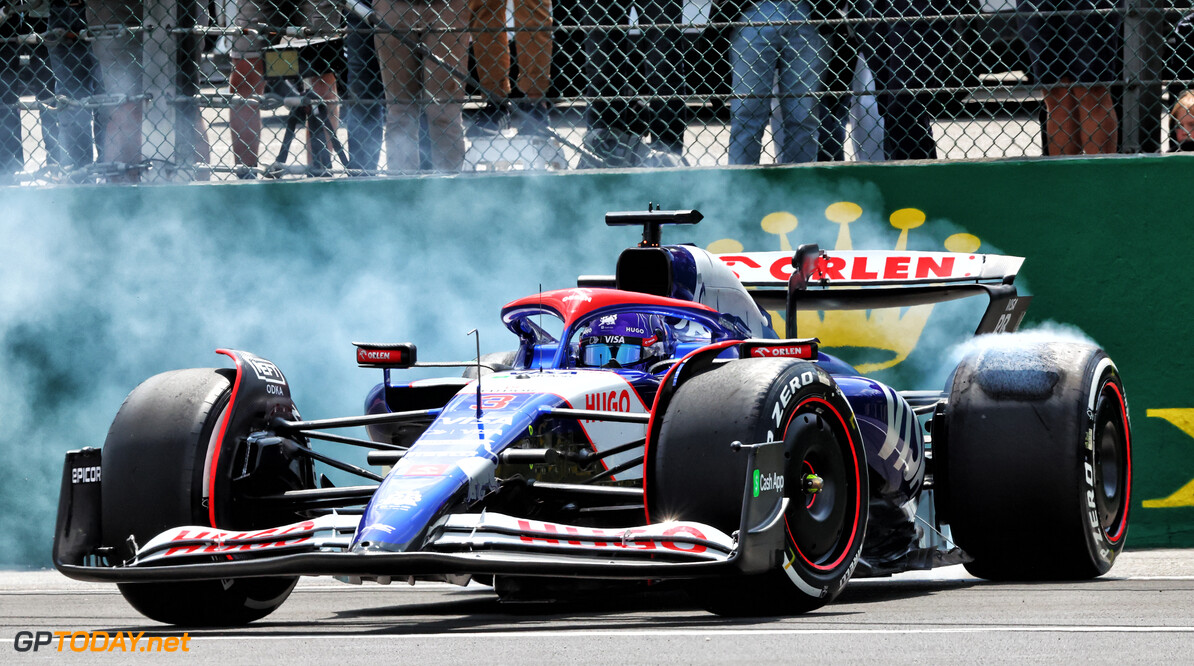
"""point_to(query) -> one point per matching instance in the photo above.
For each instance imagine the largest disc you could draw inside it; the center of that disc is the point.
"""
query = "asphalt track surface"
(1143, 612)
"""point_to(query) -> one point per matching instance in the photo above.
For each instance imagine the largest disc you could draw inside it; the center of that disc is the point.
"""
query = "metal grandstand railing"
(178, 90)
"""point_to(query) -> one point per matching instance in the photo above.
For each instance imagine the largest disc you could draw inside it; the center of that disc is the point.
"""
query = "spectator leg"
(909, 134)
(324, 86)
(448, 41)
(74, 70)
(244, 118)
(831, 113)
(802, 57)
(400, 75)
(903, 55)
(534, 46)
(490, 48)
(119, 58)
(664, 59)
(12, 157)
(40, 79)
(408, 78)
(866, 131)
(832, 110)
(1097, 120)
(1061, 124)
(607, 64)
(364, 120)
(753, 63)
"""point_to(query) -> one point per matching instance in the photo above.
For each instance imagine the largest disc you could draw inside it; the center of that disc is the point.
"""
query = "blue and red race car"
(649, 425)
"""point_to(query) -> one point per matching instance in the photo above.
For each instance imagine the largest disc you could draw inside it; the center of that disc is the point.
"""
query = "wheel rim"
(1111, 461)
(822, 525)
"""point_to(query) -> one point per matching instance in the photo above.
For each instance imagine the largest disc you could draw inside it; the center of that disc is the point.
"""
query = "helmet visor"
(601, 351)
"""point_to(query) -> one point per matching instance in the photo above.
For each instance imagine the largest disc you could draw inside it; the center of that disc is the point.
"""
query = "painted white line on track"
(635, 633)
(324, 587)
(664, 633)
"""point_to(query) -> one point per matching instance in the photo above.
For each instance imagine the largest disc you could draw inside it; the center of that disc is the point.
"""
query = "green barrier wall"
(102, 287)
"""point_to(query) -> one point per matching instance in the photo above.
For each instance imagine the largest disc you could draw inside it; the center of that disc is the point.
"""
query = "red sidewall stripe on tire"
(857, 487)
(1123, 412)
(215, 454)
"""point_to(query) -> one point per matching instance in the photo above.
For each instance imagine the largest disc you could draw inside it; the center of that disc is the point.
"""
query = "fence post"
(1140, 127)
(168, 127)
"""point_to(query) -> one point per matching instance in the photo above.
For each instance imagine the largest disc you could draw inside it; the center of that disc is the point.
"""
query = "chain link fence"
(178, 90)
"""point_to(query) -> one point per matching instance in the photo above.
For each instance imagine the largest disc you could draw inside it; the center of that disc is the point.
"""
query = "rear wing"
(815, 279)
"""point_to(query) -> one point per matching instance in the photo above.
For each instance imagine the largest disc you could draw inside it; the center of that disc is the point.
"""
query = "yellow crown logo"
(890, 334)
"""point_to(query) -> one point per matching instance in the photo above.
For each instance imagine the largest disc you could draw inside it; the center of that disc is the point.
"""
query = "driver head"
(631, 340)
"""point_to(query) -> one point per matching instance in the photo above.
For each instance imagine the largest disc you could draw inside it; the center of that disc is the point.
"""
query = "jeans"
(791, 56)
(64, 68)
(76, 76)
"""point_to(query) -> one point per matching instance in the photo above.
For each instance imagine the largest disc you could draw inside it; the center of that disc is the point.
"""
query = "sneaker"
(535, 119)
(608, 148)
(490, 119)
(660, 155)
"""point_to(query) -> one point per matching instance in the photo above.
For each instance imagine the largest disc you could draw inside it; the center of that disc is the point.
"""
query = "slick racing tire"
(154, 461)
(1034, 463)
(694, 475)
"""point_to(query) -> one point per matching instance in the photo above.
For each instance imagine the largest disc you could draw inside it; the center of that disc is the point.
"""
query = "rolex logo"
(882, 338)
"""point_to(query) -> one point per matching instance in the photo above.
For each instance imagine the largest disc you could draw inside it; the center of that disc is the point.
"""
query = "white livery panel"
(873, 267)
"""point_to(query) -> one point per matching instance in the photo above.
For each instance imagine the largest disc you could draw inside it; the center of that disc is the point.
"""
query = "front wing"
(459, 544)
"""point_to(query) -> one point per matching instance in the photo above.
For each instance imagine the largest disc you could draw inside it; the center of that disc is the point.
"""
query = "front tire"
(154, 462)
(1035, 471)
(694, 475)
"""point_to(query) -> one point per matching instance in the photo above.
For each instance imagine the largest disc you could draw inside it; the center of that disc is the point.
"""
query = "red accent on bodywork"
(572, 304)
(784, 351)
(215, 454)
(380, 356)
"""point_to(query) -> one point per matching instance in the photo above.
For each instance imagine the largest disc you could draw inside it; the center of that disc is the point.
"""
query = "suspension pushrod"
(353, 441)
(338, 464)
(354, 421)
(621, 448)
(614, 470)
(314, 494)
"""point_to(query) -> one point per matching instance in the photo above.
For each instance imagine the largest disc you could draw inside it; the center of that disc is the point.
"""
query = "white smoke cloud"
(100, 290)
(1031, 335)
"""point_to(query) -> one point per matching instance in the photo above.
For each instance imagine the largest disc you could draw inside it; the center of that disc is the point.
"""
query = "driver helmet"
(631, 340)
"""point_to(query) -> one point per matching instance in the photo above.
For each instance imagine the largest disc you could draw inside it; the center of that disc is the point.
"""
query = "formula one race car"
(649, 426)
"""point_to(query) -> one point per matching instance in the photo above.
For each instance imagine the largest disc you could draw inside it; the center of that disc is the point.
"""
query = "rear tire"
(153, 479)
(1035, 468)
(694, 475)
